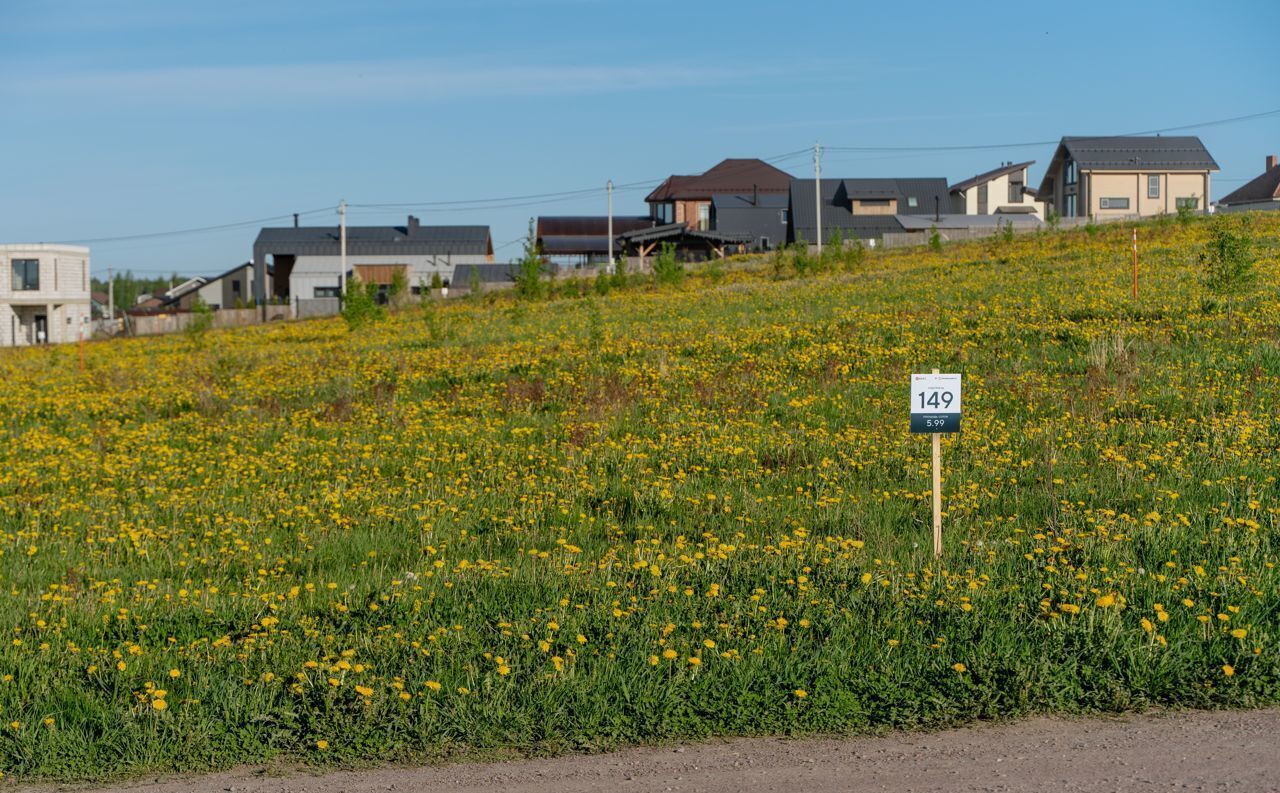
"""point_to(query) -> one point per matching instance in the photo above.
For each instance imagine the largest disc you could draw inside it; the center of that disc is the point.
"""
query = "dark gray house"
(1262, 192)
(764, 216)
(862, 208)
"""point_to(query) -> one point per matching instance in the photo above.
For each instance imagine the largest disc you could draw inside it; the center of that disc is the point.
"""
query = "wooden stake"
(937, 492)
(1135, 263)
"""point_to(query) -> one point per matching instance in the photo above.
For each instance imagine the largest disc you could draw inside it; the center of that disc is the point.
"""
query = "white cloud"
(358, 82)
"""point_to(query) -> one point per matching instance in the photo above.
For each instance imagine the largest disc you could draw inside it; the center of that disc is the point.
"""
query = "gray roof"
(503, 273)
(375, 240)
(837, 214)
(1174, 153)
(987, 176)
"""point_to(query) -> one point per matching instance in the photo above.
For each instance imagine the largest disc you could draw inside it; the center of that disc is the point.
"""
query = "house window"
(982, 199)
(326, 291)
(664, 213)
(1015, 192)
(1188, 203)
(1069, 206)
(912, 201)
(1113, 203)
(764, 243)
(26, 275)
(1072, 173)
(704, 217)
(235, 286)
(1153, 185)
(784, 216)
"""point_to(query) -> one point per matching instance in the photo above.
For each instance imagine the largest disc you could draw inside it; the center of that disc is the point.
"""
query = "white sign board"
(935, 403)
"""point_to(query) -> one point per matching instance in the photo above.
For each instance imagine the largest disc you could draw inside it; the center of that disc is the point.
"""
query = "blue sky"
(153, 115)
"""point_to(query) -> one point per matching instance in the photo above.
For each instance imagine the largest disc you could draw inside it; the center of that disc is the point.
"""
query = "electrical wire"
(1025, 144)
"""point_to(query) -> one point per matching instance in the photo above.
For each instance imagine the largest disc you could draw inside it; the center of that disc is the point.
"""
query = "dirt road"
(1237, 751)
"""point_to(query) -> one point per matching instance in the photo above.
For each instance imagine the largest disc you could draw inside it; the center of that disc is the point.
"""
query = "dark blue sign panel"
(935, 422)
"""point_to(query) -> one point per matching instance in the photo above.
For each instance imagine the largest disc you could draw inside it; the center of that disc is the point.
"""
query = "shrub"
(201, 322)
(935, 239)
(1227, 262)
(360, 305)
(529, 281)
(666, 268)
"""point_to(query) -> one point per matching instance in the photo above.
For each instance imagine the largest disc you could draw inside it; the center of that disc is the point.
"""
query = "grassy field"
(661, 513)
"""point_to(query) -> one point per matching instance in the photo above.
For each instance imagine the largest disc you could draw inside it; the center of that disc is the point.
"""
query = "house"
(584, 237)
(232, 289)
(1001, 190)
(1260, 193)
(763, 216)
(687, 199)
(1122, 176)
(306, 261)
(44, 294)
(99, 304)
(862, 208)
(690, 244)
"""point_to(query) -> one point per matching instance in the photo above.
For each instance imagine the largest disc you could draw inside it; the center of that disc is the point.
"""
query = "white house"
(1001, 191)
(44, 294)
(306, 261)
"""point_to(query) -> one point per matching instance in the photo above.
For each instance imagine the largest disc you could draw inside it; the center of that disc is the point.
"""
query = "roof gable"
(736, 175)
(1264, 187)
(994, 173)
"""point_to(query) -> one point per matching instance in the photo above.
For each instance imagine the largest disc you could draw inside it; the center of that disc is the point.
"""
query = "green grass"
(617, 476)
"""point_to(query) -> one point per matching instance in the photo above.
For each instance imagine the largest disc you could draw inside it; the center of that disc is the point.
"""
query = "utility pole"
(817, 190)
(609, 186)
(111, 296)
(342, 255)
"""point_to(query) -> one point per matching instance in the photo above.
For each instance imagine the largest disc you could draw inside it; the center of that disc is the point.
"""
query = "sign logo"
(935, 403)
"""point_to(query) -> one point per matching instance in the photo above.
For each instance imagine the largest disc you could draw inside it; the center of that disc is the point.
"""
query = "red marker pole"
(1135, 262)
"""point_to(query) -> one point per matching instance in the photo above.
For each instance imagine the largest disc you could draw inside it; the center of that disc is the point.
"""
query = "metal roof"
(376, 240)
(1175, 153)
(987, 176)
(729, 176)
(573, 225)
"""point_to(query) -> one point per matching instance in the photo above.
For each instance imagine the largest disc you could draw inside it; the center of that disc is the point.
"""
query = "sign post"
(935, 409)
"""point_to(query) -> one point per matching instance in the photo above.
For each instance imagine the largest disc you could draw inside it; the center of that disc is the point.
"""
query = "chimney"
(937, 211)
(295, 220)
(755, 194)
(1271, 161)
(411, 228)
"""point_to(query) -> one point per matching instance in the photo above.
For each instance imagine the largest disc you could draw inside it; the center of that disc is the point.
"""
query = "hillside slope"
(655, 514)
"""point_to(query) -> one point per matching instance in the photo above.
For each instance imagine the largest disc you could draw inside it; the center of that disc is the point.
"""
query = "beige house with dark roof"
(1127, 176)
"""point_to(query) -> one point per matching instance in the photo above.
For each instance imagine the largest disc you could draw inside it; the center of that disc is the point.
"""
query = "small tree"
(1227, 261)
(398, 288)
(529, 283)
(201, 321)
(935, 239)
(666, 268)
(1052, 219)
(436, 282)
(1187, 210)
(1006, 230)
(360, 304)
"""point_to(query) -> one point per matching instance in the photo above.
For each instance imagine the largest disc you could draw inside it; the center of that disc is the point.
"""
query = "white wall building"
(44, 294)
(1001, 190)
(306, 261)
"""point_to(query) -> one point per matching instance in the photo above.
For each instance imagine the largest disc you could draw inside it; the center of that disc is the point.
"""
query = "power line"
(1025, 144)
